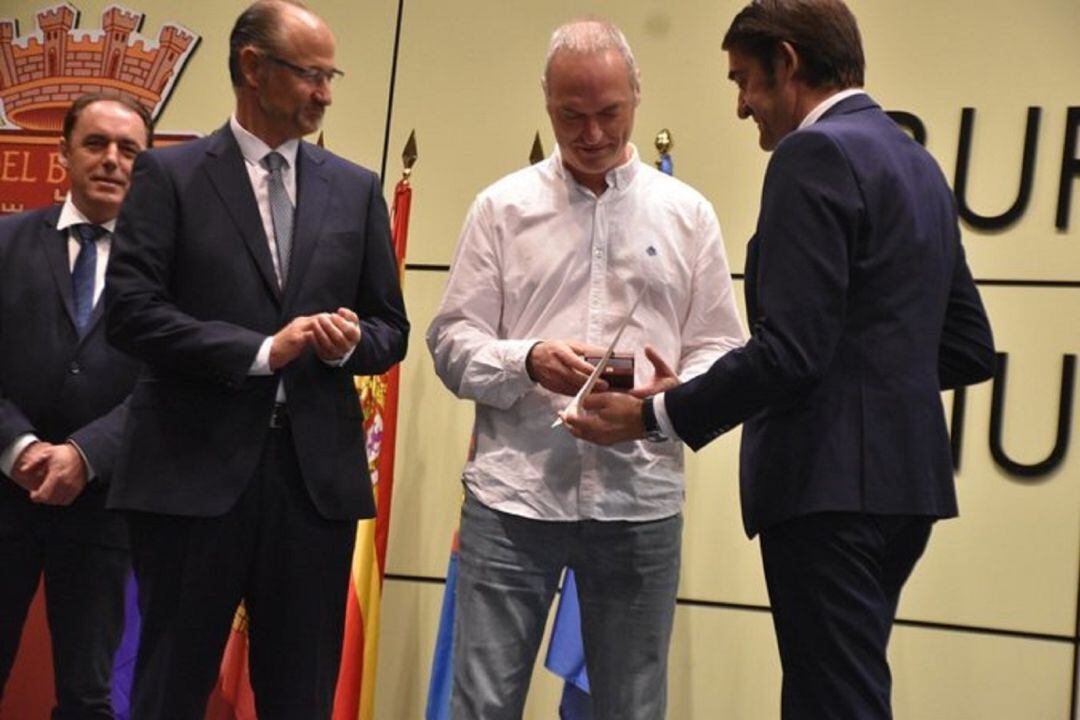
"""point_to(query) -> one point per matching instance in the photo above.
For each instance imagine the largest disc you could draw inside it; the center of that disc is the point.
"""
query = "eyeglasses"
(310, 75)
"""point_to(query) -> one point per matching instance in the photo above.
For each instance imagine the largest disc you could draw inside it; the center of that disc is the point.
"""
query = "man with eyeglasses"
(253, 274)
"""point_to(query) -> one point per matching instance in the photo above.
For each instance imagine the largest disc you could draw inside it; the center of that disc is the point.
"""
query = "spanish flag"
(355, 696)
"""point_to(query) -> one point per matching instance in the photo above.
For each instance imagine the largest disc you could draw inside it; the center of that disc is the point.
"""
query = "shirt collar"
(254, 149)
(71, 215)
(823, 107)
(617, 178)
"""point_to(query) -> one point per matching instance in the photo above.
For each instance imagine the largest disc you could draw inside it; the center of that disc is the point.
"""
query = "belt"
(279, 416)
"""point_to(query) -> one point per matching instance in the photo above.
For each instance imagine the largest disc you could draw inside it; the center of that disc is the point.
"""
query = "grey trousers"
(509, 568)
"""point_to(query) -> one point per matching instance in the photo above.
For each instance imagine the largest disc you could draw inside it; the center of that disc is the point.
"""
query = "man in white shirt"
(550, 260)
(63, 393)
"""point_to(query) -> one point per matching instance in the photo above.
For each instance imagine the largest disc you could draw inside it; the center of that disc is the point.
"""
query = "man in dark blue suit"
(862, 308)
(63, 403)
(253, 274)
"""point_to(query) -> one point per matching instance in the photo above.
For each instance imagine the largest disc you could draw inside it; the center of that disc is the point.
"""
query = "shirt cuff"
(662, 419)
(261, 364)
(90, 474)
(14, 450)
(525, 359)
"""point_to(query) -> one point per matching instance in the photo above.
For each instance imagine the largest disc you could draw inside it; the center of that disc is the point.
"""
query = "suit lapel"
(312, 189)
(55, 245)
(225, 166)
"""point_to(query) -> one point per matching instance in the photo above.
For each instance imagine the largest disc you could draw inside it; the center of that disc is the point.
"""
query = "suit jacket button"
(74, 368)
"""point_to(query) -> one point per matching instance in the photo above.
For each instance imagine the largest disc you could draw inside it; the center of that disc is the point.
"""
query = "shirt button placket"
(597, 306)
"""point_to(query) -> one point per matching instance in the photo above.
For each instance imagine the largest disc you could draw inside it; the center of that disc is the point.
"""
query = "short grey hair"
(591, 35)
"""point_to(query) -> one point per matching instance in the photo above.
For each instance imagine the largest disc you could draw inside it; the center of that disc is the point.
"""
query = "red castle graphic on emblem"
(42, 72)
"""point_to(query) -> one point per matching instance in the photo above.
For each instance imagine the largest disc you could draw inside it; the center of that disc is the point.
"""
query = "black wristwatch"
(653, 433)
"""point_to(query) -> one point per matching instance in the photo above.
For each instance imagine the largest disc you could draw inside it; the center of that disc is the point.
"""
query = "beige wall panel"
(433, 438)
(409, 623)
(723, 665)
(202, 99)
(1011, 560)
(719, 563)
(934, 59)
(940, 674)
(355, 125)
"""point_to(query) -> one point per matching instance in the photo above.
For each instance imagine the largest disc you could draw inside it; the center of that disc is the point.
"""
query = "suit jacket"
(52, 383)
(861, 307)
(192, 292)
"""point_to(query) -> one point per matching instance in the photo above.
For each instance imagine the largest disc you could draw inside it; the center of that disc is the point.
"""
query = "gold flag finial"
(537, 152)
(409, 154)
(664, 141)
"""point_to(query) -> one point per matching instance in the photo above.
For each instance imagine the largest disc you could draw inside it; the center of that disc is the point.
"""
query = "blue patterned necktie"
(281, 211)
(82, 275)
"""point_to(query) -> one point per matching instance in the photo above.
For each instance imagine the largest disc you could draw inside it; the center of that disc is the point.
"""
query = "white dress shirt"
(543, 258)
(69, 216)
(812, 117)
(254, 150)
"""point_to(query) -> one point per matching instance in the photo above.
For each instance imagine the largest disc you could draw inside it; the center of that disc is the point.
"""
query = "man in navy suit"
(62, 409)
(861, 308)
(253, 273)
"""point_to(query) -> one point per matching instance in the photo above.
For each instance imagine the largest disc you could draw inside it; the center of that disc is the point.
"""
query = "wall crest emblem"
(43, 71)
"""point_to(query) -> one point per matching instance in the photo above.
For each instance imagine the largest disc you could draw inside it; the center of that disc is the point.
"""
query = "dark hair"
(256, 27)
(71, 117)
(823, 32)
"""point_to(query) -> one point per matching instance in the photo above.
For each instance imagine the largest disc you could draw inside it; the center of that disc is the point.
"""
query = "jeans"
(509, 568)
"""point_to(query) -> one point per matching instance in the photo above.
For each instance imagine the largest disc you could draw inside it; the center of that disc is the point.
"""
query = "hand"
(290, 341)
(28, 472)
(608, 418)
(335, 335)
(664, 378)
(65, 478)
(558, 366)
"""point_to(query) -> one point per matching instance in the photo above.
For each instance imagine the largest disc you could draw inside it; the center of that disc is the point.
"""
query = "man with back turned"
(861, 308)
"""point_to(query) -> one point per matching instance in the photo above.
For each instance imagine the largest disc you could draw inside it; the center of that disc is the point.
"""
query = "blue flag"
(566, 654)
(442, 675)
(124, 662)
